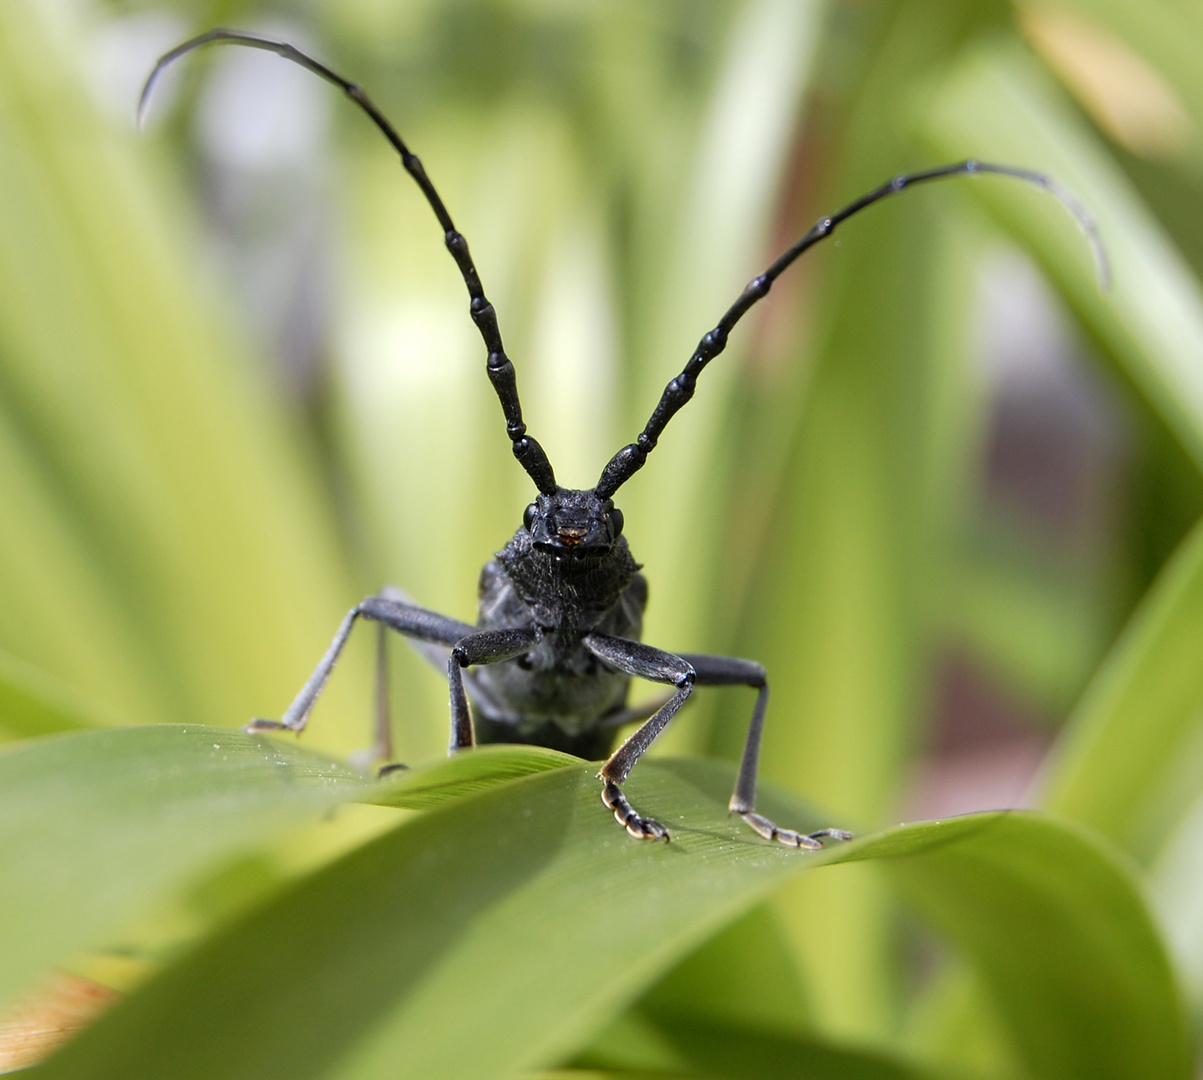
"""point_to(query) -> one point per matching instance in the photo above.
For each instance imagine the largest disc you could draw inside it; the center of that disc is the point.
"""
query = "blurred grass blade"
(1115, 54)
(61, 616)
(708, 1049)
(1114, 762)
(837, 607)
(999, 104)
(467, 943)
(744, 976)
(97, 827)
(1061, 939)
(1174, 887)
(34, 703)
(722, 215)
(165, 551)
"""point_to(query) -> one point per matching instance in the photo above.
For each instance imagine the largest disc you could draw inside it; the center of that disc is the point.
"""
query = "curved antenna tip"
(152, 80)
(1102, 263)
(1086, 222)
(144, 102)
(169, 57)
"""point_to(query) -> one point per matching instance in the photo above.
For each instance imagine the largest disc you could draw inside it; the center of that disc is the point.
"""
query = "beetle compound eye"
(616, 523)
(528, 517)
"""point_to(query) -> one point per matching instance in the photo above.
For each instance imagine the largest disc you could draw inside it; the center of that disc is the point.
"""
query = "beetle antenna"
(630, 459)
(529, 453)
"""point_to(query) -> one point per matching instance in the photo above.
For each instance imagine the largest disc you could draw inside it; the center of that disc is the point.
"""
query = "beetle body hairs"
(556, 641)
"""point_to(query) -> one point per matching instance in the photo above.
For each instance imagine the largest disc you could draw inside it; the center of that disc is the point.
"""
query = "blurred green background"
(927, 484)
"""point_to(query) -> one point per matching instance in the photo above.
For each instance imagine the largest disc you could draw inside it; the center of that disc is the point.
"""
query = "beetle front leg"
(482, 647)
(644, 662)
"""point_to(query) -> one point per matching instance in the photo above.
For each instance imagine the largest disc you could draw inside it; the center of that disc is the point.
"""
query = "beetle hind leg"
(729, 671)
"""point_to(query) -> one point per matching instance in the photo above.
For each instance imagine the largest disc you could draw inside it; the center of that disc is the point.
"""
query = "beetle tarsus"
(626, 815)
(259, 725)
(807, 841)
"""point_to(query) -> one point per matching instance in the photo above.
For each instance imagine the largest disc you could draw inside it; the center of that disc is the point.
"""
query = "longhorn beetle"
(556, 641)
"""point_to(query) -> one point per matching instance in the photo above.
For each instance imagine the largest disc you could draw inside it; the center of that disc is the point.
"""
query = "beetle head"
(577, 523)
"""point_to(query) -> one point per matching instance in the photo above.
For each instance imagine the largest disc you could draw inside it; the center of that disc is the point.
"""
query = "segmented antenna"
(630, 459)
(501, 371)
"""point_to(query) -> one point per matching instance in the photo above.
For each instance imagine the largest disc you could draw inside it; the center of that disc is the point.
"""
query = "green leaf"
(1130, 733)
(97, 827)
(1130, 761)
(1060, 937)
(714, 1050)
(462, 774)
(498, 906)
(744, 976)
(498, 932)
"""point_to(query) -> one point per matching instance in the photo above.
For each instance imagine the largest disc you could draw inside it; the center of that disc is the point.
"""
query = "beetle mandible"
(556, 641)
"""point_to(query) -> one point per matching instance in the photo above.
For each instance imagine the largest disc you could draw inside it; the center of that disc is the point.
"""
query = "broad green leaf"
(1061, 940)
(535, 897)
(1114, 764)
(498, 932)
(463, 774)
(96, 828)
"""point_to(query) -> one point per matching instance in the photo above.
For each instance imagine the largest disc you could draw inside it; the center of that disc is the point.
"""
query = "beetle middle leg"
(381, 749)
(480, 647)
(729, 671)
